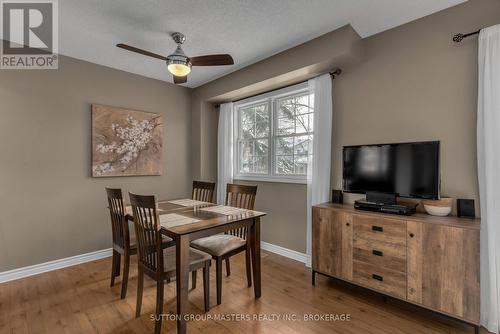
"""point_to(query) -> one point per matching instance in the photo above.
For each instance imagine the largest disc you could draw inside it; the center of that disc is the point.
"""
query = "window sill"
(275, 179)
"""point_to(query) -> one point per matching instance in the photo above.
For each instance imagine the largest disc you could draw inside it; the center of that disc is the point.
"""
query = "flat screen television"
(406, 169)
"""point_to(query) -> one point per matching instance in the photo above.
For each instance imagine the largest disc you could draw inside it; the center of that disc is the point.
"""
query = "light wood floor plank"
(79, 300)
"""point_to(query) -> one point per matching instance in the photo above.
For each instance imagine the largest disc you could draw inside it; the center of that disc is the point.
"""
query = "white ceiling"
(249, 30)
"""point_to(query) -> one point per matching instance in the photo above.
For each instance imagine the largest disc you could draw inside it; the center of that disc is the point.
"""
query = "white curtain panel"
(224, 150)
(488, 151)
(318, 171)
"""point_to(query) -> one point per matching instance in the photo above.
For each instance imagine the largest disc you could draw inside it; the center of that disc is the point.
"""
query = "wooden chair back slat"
(203, 191)
(240, 196)
(119, 226)
(147, 231)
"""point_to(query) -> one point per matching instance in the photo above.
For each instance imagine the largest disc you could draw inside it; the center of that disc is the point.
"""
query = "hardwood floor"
(79, 300)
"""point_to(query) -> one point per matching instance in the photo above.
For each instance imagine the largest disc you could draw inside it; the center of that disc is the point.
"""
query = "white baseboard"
(36, 269)
(289, 253)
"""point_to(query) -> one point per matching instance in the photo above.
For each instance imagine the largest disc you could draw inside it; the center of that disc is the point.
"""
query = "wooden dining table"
(207, 223)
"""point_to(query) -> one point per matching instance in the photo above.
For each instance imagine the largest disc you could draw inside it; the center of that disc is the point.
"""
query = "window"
(274, 134)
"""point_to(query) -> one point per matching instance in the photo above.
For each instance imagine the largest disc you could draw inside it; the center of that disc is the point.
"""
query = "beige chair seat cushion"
(195, 257)
(219, 244)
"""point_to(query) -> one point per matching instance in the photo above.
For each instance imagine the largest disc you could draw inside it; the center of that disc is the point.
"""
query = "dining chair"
(223, 246)
(123, 244)
(203, 191)
(157, 263)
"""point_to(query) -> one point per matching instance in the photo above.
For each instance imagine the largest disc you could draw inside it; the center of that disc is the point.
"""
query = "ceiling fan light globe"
(179, 70)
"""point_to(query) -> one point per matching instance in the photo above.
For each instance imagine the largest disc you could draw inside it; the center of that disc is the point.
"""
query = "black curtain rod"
(459, 37)
(333, 74)
(338, 71)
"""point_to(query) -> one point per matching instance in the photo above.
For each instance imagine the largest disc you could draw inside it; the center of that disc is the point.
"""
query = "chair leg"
(193, 279)
(140, 287)
(218, 269)
(116, 260)
(249, 268)
(159, 306)
(206, 286)
(126, 266)
(228, 267)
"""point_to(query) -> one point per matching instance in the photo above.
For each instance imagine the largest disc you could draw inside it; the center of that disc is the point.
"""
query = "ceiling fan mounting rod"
(178, 37)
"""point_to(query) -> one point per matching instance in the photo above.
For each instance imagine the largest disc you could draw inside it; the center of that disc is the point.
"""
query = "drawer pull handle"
(378, 228)
(412, 235)
(378, 253)
(347, 224)
(377, 277)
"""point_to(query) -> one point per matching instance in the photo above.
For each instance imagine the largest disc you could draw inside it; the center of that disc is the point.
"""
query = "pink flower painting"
(125, 142)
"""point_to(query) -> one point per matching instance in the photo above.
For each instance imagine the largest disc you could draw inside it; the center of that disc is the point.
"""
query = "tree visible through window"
(294, 134)
(254, 143)
(274, 136)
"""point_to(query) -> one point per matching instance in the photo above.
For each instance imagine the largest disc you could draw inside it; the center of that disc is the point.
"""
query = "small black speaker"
(337, 196)
(465, 208)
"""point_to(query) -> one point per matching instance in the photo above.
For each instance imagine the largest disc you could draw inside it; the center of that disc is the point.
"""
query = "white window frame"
(271, 98)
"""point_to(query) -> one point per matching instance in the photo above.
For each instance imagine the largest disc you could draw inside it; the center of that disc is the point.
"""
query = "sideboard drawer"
(381, 279)
(392, 231)
(380, 254)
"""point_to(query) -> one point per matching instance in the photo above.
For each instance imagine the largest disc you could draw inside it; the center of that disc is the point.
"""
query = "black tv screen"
(405, 169)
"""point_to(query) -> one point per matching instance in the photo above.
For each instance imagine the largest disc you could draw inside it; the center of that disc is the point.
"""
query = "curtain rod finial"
(458, 38)
(337, 71)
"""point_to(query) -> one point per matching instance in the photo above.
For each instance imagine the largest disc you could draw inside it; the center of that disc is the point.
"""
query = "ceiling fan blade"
(142, 52)
(212, 60)
(180, 80)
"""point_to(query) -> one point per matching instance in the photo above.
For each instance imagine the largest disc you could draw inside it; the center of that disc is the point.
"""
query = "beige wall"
(50, 206)
(284, 203)
(413, 84)
(417, 84)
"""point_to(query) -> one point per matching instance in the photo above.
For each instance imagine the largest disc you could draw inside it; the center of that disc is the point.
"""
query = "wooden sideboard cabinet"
(432, 262)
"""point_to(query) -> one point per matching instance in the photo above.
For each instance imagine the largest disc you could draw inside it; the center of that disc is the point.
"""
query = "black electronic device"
(405, 169)
(378, 197)
(337, 196)
(397, 209)
(465, 208)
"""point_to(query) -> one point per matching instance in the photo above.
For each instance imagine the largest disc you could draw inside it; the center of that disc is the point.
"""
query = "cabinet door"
(443, 268)
(332, 243)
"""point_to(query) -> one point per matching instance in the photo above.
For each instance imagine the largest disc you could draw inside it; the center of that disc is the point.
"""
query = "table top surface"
(205, 219)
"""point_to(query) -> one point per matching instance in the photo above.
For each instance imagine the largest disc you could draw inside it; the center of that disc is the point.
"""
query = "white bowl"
(437, 210)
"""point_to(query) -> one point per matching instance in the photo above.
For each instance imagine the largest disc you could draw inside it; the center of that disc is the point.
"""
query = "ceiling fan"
(178, 63)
